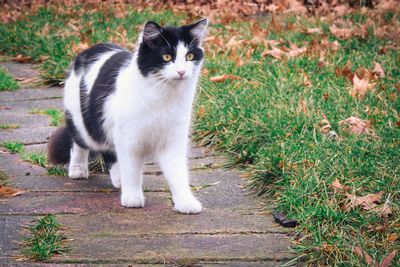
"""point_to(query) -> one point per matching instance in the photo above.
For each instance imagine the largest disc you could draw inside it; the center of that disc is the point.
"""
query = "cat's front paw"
(188, 206)
(78, 172)
(131, 200)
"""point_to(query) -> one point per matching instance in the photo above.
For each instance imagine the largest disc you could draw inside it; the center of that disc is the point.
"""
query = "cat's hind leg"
(112, 165)
(78, 165)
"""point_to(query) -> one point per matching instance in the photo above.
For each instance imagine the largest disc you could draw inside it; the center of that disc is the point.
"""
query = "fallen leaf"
(224, 77)
(303, 106)
(361, 87)
(325, 125)
(386, 261)
(366, 202)
(295, 51)
(337, 186)
(384, 211)
(22, 59)
(341, 33)
(77, 48)
(7, 191)
(357, 126)
(274, 52)
(314, 31)
(379, 70)
(360, 252)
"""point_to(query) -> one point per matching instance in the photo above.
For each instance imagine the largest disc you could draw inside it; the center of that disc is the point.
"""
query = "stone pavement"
(231, 231)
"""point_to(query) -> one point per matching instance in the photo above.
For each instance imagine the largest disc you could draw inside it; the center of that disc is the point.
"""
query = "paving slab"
(160, 249)
(29, 105)
(28, 135)
(20, 71)
(31, 94)
(22, 120)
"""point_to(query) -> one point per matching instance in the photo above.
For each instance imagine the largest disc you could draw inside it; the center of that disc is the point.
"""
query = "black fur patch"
(59, 147)
(92, 105)
(150, 53)
(89, 56)
(109, 158)
(76, 137)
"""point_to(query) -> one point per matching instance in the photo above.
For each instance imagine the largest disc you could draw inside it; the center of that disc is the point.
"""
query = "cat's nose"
(181, 72)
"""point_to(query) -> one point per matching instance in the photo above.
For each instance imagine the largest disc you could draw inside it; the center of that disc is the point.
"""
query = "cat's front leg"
(131, 169)
(174, 166)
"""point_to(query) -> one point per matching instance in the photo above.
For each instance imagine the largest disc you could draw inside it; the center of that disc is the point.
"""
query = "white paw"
(115, 177)
(78, 172)
(188, 206)
(131, 200)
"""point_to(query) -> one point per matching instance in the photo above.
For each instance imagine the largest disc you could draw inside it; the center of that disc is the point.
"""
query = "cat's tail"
(59, 147)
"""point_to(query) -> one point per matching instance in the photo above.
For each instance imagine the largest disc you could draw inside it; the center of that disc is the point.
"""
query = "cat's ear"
(151, 31)
(199, 29)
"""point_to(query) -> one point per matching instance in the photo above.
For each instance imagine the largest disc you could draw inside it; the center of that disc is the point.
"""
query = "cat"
(133, 107)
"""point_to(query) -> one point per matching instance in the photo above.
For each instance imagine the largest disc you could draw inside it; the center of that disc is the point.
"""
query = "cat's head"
(171, 53)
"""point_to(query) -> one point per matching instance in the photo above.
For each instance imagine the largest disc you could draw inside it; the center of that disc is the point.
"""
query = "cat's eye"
(189, 56)
(167, 57)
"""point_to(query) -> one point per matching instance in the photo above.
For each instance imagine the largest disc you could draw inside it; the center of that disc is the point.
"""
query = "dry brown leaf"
(7, 191)
(361, 86)
(325, 125)
(201, 112)
(77, 48)
(303, 106)
(341, 33)
(345, 71)
(22, 59)
(337, 186)
(366, 202)
(386, 261)
(384, 211)
(274, 52)
(357, 126)
(379, 70)
(314, 31)
(224, 77)
(360, 252)
(295, 51)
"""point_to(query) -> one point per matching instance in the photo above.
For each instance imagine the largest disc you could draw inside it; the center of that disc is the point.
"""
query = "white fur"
(145, 119)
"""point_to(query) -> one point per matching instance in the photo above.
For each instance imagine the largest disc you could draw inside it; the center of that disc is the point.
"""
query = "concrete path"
(231, 231)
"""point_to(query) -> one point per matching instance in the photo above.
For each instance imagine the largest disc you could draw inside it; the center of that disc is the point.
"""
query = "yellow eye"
(189, 56)
(167, 57)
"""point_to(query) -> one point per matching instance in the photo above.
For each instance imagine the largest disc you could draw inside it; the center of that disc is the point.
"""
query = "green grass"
(14, 147)
(38, 158)
(56, 115)
(7, 82)
(259, 120)
(44, 239)
(8, 126)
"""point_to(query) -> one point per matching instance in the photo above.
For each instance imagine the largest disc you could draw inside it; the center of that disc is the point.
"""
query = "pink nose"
(181, 73)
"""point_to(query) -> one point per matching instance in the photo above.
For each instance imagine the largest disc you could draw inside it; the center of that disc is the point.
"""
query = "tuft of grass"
(38, 158)
(44, 239)
(56, 115)
(14, 147)
(4, 178)
(7, 82)
(57, 170)
(8, 126)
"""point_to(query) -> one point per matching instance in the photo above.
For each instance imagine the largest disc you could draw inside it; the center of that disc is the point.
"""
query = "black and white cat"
(134, 107)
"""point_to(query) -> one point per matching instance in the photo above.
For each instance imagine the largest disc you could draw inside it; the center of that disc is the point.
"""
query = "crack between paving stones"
(214, 233)
(170, 260)
(34, 99)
